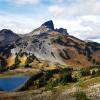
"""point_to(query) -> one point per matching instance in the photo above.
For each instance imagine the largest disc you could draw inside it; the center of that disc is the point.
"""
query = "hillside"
(56, 45)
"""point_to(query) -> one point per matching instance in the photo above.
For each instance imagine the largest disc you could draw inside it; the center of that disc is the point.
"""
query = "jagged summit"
(62, 30)
(49, 24)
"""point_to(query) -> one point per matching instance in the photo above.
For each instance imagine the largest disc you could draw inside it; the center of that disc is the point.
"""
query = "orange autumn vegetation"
(10, 60)
(22, 60)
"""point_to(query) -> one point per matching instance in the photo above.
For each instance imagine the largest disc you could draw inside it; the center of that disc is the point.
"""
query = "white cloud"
(18, 24)
(86, 34)
(80, 17)
(24, 2)
(83, 27)
(59, 1)
(85, 14)
(79, 27)
(96, 40)
(56, 9)
(77, 8)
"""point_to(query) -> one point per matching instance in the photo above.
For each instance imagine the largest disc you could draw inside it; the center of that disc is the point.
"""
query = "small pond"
(13, 82)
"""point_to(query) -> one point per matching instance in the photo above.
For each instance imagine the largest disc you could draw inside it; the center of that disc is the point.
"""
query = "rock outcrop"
(7, 37)
(62, 30)
(49, 24)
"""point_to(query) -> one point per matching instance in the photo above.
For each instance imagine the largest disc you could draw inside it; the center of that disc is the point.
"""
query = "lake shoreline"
(20, 72)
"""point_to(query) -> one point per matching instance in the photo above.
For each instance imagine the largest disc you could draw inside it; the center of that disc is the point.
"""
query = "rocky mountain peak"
(7, 37)
(6, 31)
(49, 24)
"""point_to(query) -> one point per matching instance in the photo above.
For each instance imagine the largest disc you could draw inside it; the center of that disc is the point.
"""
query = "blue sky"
(80, 17)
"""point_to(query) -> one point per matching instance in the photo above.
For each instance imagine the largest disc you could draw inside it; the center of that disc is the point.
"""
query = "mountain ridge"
(56, 46)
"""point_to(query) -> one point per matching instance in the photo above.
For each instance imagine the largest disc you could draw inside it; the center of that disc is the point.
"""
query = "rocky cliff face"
(7, 41)
(49, 24)
(56, 45)
(7, 37)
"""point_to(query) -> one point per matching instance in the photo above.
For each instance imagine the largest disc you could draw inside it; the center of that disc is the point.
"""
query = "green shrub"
(17, 61)
(12, 67)
(81, 96)
(98, 72)
(93, 72)
(3, 64)
(60, 37)
(2, 69)
(66, 78)
(85, 72)
(51, 84)
(30, 59)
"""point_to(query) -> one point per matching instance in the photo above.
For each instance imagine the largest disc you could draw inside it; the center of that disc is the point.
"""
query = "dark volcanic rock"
(62, 30)
(7, 37)
(6, 31)
(49, 24)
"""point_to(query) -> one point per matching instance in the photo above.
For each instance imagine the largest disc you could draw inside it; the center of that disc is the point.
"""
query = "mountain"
(54, 45)
(7, 37)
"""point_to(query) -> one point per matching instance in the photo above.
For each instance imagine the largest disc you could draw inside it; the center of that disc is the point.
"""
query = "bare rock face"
(7, 37)
(7, 42)
(49, 24)
(62, 30)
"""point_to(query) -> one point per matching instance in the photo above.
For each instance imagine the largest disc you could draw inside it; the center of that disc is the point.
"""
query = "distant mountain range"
(54, 45)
